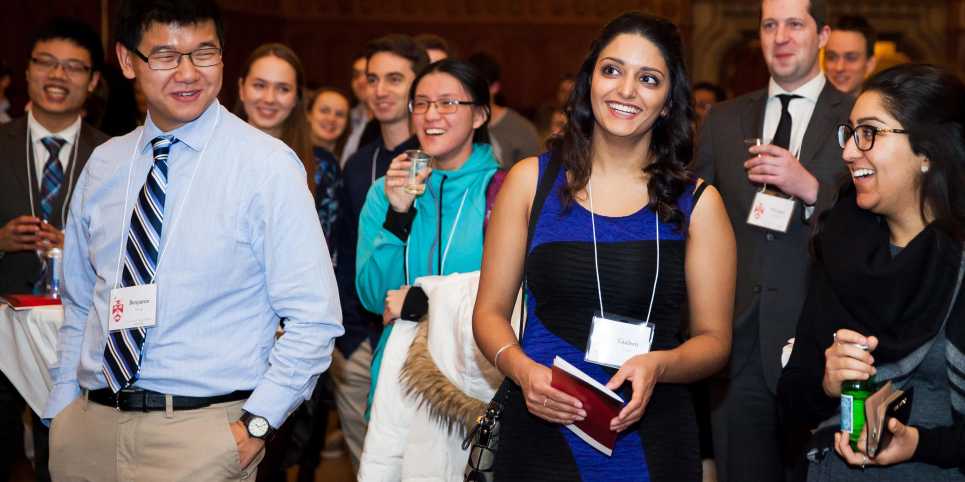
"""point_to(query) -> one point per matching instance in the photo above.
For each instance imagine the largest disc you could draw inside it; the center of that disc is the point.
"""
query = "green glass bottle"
(853, 395)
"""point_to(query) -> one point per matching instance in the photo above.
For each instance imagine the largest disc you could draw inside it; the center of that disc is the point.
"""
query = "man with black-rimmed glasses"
(41, 157)
(188, 240)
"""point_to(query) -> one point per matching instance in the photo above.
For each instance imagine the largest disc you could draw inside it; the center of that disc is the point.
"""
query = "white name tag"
(771, 212)
(133, 307)
(612, 342)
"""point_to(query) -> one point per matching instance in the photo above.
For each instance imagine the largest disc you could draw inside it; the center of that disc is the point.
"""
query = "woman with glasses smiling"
(884, 302)
(404, 236)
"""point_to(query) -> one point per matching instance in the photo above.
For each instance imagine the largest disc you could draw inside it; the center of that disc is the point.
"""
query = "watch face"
(257, 426)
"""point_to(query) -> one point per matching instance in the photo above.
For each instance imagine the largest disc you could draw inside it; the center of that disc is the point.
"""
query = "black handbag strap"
(543, 188)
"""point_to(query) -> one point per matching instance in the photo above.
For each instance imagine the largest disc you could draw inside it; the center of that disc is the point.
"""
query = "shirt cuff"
(274, 402)
(416, 304)
(60, 396)
(398, 223)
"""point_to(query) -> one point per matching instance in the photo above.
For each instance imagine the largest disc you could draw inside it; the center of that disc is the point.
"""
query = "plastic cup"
(419, 161)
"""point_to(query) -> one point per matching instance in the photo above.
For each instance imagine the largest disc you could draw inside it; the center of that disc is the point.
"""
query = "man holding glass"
(773, 156)
(43, 155)
(188, 240)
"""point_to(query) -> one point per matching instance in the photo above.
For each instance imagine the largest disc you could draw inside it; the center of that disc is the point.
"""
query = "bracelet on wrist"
(500, 352)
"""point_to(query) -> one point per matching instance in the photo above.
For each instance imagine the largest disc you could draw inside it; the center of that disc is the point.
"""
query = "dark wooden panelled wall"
(536, 41)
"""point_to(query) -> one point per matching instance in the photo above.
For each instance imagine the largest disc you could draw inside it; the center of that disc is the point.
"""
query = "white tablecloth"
(28, 348)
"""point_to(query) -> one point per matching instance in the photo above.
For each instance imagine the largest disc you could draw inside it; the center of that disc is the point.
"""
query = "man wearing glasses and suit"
(774, 158)
(41, 156)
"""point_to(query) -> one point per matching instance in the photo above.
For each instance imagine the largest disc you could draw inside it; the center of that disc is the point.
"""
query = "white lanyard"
(445, 253)
(375, 156)
(125, 226)
(69, 174)
(596, 264)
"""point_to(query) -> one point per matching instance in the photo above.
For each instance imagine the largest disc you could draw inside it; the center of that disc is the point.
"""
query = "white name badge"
(771, 212)
(614, 341)
(133, 307)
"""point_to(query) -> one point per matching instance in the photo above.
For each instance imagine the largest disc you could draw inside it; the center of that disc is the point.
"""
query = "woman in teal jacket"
(403, 236)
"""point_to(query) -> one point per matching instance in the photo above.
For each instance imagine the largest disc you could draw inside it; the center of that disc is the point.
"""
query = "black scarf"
(902, 300)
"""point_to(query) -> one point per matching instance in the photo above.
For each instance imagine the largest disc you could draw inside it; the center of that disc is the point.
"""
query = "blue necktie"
(122, 355)
(53, 176)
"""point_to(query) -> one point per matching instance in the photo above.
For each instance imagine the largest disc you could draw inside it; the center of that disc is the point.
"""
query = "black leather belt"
(138, 400)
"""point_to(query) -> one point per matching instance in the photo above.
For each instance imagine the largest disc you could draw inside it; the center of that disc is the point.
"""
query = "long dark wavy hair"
(929, 102)
(671, 145)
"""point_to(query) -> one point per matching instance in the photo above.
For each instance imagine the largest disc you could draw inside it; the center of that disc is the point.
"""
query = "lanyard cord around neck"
(596, 263)
(69, 174)
(452, 232)
(125, 222)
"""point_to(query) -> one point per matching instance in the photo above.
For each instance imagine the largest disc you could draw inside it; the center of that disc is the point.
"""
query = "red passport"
(25, 302)
(600, 403)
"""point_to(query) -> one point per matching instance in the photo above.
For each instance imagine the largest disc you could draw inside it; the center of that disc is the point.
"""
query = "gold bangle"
(500, 352)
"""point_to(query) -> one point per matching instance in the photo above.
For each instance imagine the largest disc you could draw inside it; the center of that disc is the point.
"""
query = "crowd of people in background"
(778, 244)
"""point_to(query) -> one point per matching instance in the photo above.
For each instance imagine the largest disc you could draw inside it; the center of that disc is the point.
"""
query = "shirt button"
(770, 237)
(757, 288)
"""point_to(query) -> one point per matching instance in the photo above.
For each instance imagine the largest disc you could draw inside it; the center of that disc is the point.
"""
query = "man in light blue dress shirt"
(223, 243)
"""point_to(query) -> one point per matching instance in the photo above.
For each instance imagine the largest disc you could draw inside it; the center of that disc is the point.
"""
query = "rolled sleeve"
(301, 289)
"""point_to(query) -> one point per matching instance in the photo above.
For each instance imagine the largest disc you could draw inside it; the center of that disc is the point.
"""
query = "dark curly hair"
(671, 144)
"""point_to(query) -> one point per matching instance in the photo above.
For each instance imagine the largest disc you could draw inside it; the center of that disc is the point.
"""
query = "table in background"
(28, 348)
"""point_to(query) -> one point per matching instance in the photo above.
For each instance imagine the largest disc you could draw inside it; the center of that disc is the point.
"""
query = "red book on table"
(25, 302)
(600, 403)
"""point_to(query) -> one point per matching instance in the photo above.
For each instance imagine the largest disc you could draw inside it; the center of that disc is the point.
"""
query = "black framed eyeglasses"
(170, 59)
(443, 106)
(863, 135)
(46, 63)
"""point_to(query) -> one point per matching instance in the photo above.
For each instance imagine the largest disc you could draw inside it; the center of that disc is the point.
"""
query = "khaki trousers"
(352, 378)
(95, 443)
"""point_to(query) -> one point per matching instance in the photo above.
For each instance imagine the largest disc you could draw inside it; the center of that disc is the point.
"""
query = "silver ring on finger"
(864, 461)
(545, 401)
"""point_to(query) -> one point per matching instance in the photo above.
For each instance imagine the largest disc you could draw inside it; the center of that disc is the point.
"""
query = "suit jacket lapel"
(17, 142)
(821, 127)
(752, 117)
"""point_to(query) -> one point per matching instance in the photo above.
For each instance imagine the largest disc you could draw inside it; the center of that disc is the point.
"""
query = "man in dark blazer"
(800, 162)
(41, 157)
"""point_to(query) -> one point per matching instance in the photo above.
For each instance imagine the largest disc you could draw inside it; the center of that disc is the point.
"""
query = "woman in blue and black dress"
(625, 230)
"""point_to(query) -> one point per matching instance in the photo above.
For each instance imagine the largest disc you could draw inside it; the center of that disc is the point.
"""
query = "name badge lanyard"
(445, 253)
(71, 166)
(615, 339)
(174, 224)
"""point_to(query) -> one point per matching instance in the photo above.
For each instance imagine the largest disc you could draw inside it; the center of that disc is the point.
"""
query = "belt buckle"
(130, 393)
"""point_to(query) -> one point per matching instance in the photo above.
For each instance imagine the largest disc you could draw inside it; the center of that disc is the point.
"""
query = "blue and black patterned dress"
(561, 300)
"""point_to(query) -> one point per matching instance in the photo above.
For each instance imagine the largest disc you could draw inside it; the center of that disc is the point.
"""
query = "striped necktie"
(122, 355)
(53, 176)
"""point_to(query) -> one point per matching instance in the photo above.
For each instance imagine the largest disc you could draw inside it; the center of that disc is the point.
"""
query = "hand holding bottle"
(848, 359)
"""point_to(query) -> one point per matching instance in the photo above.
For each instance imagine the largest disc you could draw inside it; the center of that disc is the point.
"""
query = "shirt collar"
(811, 89)
(194, 134)
(38, 132)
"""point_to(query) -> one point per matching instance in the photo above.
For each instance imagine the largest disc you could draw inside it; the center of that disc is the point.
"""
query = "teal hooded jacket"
(381, 255)
(455, 239)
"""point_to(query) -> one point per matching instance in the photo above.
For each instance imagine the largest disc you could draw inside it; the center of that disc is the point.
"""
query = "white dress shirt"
(38, 132)
(800, 110)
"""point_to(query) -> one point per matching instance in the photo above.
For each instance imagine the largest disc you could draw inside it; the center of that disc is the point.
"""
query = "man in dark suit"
(800, 164)
(41, 156)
